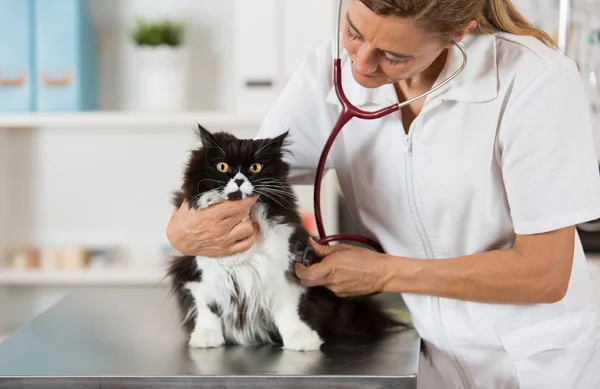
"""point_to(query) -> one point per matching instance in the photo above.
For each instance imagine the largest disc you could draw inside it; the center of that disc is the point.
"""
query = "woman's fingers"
(232, 212)
(246, 243)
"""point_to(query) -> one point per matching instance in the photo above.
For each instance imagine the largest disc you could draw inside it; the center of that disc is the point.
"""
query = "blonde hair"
(447, 17)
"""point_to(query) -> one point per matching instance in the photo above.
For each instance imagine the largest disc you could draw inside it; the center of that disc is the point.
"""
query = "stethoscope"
(348, 112)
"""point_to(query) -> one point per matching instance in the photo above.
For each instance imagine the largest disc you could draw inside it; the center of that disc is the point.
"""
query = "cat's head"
(228, 168)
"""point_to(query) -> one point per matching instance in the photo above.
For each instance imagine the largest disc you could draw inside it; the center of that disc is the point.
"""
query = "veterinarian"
(473, 193)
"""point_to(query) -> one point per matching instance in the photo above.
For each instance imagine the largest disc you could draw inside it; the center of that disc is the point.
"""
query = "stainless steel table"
(130, 337)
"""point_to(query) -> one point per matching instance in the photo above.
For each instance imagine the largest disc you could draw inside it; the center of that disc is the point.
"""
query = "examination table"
(118, 337)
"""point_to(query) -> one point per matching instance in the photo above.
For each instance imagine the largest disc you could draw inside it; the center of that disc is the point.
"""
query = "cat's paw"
(306, 255)
(303, 339)
(206, 338)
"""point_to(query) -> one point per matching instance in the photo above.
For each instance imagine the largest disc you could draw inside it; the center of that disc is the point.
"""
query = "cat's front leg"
(301, 250)
(208, 331)
(295, 333)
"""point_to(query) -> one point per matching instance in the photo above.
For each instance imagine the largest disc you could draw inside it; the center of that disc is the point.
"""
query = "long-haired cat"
(254, 297)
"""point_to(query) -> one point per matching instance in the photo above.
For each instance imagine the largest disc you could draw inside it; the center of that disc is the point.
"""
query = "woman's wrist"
(398, 273)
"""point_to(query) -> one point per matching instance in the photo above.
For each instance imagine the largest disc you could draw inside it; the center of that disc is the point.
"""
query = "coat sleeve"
(547, 153)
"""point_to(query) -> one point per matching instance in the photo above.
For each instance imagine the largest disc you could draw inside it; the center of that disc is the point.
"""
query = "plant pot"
(164, 76)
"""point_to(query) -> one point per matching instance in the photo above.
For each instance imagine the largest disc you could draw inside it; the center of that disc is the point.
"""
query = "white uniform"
(505, 148)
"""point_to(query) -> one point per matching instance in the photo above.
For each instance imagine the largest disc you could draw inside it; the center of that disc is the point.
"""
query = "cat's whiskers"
(282, 194)
(272, 198)
(262, 147)
(275, 195)
(278, 187)
(268, 195)
(273, 185)
(194, 201)
(208, 179)
(270, 179)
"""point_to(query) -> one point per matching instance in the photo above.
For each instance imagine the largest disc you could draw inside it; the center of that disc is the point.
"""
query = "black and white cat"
(254, 297)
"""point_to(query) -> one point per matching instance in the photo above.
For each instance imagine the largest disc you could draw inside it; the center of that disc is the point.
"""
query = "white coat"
(505, 148)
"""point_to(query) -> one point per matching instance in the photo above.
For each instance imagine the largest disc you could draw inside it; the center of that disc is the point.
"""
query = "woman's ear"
(463, 33)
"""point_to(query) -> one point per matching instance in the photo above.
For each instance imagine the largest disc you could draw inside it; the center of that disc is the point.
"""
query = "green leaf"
(164, 31)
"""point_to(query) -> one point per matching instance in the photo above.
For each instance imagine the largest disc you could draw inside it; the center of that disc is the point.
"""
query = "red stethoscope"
(348, 112)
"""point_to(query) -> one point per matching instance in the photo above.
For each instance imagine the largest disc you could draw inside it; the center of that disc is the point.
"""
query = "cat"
(255, 297)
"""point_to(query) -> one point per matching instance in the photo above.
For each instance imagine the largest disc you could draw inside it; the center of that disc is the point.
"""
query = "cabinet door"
(308, 23)
(272, 37)
(16, 62)
(5, 183)
(257, 51)
(64, 54)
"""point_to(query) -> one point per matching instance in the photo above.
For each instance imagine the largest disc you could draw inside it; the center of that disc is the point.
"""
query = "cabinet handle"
(259, 83)
(17, 81)
(64, 81)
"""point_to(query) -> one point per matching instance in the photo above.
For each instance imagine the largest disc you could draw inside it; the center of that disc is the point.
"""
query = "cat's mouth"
(238, 188)
(239, 194)
(236, 196)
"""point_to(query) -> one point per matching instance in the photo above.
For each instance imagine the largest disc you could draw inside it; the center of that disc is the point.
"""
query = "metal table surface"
(130, 337)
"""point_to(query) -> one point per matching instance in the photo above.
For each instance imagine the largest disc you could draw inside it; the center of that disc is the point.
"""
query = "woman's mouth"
(367, 75)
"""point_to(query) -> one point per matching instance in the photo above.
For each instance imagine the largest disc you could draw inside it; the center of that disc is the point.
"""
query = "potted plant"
(163, 63)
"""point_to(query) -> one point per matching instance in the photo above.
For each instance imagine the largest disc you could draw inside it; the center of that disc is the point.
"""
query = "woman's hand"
(346, 270)
(219, 230)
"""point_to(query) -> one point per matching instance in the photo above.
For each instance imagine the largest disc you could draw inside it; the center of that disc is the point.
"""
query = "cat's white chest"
(244, 289)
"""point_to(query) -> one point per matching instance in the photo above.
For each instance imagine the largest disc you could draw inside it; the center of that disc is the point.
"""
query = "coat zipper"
(428, 251)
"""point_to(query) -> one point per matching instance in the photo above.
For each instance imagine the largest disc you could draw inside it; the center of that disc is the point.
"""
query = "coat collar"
(478, 82)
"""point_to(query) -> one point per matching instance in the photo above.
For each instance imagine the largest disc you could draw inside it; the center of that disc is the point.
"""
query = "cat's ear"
(282, 141)
(205, 136)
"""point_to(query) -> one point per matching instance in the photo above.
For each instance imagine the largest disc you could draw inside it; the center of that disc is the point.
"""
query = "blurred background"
(98, 102)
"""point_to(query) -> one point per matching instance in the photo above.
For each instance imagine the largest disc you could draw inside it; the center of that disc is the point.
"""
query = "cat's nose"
(239, 182)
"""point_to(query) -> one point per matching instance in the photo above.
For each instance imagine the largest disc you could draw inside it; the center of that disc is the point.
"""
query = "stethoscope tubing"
(348, 112)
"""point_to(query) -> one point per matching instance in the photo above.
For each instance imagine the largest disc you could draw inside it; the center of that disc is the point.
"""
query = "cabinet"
(4, 187)
(65, 55)
(16, 57)
(271, 38)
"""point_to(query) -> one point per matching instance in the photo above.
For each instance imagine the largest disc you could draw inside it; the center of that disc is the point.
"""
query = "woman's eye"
(223, 167)
(351, 34)
(255, 168)
(394, 62)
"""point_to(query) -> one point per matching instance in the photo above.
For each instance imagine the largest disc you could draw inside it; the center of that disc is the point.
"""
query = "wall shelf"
(213, 120)
(112, 277)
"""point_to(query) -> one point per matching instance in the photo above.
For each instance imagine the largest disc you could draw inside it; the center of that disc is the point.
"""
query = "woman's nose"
(364, 61)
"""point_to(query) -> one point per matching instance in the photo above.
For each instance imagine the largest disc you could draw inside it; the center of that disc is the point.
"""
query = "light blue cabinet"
(16, 61)
(65, 54)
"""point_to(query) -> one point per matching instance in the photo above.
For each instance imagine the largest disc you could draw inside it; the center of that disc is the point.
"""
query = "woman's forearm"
(499, 276)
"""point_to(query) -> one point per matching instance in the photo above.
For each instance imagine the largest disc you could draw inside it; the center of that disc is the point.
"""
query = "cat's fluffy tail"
(332, 316)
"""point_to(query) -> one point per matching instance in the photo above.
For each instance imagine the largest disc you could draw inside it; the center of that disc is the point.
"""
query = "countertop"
(112, 337)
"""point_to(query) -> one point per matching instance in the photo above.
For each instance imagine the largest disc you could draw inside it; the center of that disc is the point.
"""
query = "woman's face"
(387, 49)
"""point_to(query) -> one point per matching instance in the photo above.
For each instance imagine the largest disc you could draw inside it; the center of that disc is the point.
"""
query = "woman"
(473, 193)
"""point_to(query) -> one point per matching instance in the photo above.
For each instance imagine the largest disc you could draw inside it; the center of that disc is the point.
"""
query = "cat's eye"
(223, 167)
(255, 168)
